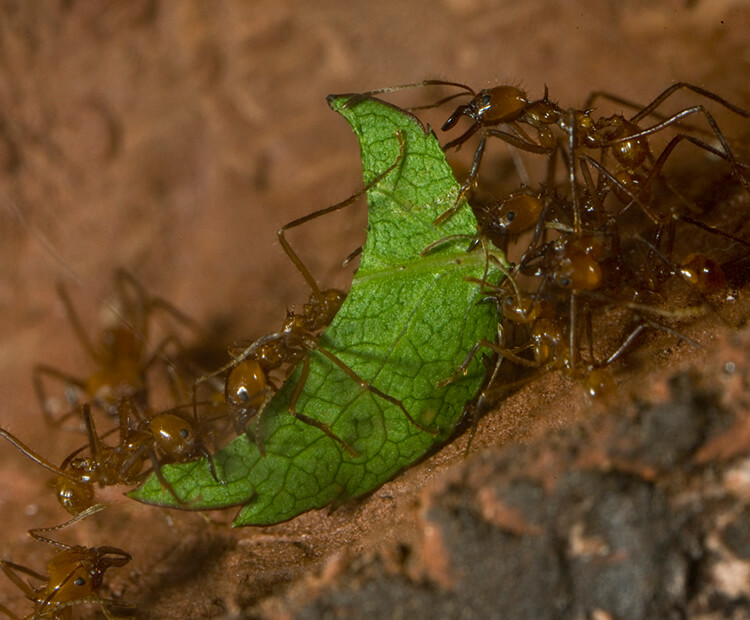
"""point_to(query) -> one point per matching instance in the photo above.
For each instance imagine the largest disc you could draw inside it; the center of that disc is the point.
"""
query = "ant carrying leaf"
(248, 384)
(407, 322)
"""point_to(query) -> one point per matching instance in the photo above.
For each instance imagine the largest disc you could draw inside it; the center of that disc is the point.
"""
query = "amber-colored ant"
(169, 436)
(75, 574)
(121, 357)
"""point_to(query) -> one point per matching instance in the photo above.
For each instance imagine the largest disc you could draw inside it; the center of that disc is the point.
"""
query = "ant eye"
(510, 216)
(565, 282)
(242, 395)
(184, 433)
(80, 581)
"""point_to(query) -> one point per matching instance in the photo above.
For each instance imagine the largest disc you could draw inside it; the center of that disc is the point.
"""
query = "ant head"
(77, 572)
(501, 104)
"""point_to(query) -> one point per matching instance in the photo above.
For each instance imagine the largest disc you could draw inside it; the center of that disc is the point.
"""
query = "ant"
(121, 358)
(248, 384)
(579, 274)
(511, 108)
(171, 434)
(74, 575)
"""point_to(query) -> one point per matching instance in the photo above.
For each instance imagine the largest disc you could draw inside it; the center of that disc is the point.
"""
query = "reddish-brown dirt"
(173, 139)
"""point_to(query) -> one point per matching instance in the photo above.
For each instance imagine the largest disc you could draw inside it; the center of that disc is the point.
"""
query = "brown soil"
(173, 139)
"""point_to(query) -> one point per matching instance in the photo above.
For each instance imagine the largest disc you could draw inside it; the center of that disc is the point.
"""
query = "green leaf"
(407, 323)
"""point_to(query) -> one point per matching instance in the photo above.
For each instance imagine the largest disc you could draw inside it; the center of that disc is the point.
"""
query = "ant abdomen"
(246, 385)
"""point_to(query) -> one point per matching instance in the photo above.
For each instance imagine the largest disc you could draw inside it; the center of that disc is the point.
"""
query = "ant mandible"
(74, 575)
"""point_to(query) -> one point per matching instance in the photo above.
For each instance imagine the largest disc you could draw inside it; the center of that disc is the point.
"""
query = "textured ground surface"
(173, 139)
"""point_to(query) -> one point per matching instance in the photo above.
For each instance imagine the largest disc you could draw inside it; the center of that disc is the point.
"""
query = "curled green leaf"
(407, 323)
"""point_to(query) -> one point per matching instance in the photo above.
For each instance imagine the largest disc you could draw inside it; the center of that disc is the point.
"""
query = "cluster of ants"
(598, 258)
(617, 247)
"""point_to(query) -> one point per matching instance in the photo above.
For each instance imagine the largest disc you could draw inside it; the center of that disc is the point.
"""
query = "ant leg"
(590, 334)
(147, 304)
(246, 352)
(572, 175)
(105, 602)
(696, 89)
(75, 322)
(11, 570)
(41, 370)
(156, 467)
(158, 352)
(242, 421)
(321, 212)
(449, 239)
(628, 341)
(35, 457)
(35, 532)
(494, 346)
(322, 426)
(467, 184)
(524, 144)
(355, 99)
(518, 164)
(4, 609)
(624, 345)
(636, 198)
(366, 385)
(675, 119)
(95, 444)
(650, 109)
(572, 335)
(716, 231)
(601, 94)
(591, 187)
